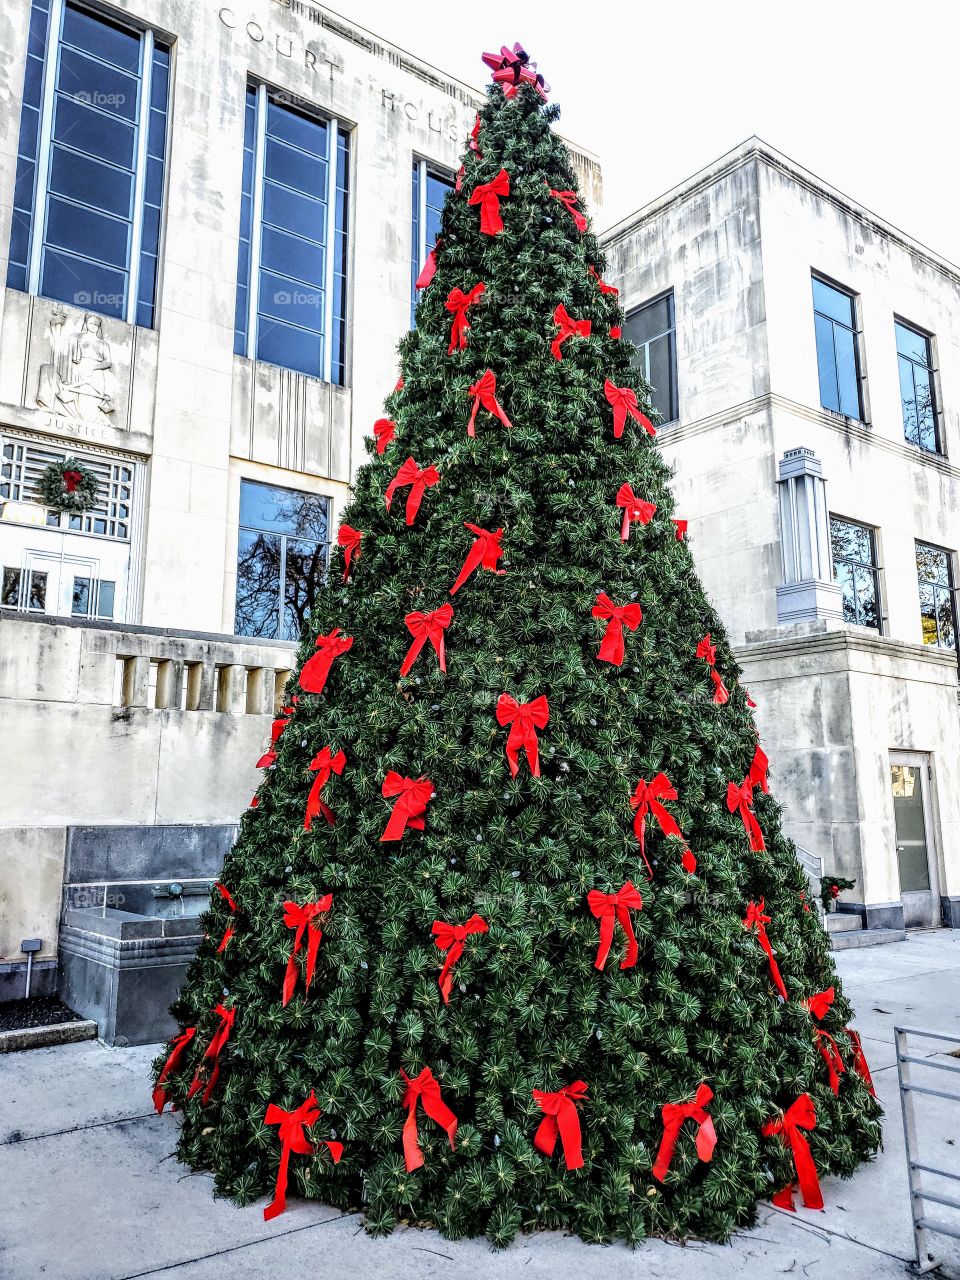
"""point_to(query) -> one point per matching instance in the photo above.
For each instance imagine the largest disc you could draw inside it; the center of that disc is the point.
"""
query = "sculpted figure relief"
(78, 381)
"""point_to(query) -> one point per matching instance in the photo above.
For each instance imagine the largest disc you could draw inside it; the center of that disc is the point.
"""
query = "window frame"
(950, 590)
(873, 569)
(933, 370)
(645, 348)
(859, 357)
(422, 168)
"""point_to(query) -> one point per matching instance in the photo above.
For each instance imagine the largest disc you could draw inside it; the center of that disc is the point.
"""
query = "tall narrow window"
(854, 548)
(292, 259)
(652, 330)
(937, 606)
(838, 349)
(431, 187)
(90, 162)
(281, 559)
(917, 394)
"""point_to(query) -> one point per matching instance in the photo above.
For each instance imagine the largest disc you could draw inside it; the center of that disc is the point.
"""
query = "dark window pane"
(833, 303)
(99, 86)
(87, 232)
(106, 41)
(848, 377)
(291, 302)
(908, 401)
(267, 506)
(258, 585)
(868, 614)
(294, 212)
(105, 599)
(649, 321)
(10, 592)
(81, 597)
(290, 348)
(923, 402)
(36, 590)
(91, 181)
(300, 131)
(82, 284)
(662, 366)
(93, 133)
(292, 257)
(843, 574)
(305, 563)
(295, 169)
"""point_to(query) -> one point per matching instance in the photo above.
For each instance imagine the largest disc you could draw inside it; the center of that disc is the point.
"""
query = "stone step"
(842, 922)
(866, 938)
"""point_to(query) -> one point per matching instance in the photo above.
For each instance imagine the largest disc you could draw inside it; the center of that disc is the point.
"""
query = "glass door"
(67, 575)
(916, 861)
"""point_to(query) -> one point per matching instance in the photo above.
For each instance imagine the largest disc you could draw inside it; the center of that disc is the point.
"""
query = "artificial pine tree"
(512, 938)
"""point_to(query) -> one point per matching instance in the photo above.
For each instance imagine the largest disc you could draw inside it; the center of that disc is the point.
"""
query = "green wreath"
(68, 485)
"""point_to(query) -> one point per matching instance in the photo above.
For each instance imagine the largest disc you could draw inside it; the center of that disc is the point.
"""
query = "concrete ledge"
(866, 938)
(43, 1037)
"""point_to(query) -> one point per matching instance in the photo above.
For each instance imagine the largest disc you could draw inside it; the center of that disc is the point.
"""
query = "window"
(281, 559)
(917, 394)
(21, 464)
(89, 186)
(652, 330)
(855, 569)
(24, 589)
(430, 190)
(838, 349)
(292, 261)
(93, 598)
(937, 612)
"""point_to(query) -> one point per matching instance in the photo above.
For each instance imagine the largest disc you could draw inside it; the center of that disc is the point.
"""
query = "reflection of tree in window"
(838, 349)
(281, 560)
(855, 570)
(917, 396)
(935, 580)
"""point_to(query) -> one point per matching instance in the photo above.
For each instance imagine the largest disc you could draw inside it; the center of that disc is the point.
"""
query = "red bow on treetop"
(623, 401)
(178, 1049)
(384, 429)
(429, 268)
(293, 1139)
(612, 648)
(568, 328)
(302, 919)
(648, 797)
(609, 908)
(674, 1114)
(634, 508)
(739, 799)
(457, 304)
(560, 1119)
(451, 939)
(569, 199)
(212, 1055)
(314, 673)
(604, 287)
(755, 919)
(425, 1090)
(419, 481)
(801, 1115)
(484, 553)
(349, 539)
(411, 807)
(424, 627)
(512, 68)
(484, 392)
(325, 763)
(524, 719)
(487, 196)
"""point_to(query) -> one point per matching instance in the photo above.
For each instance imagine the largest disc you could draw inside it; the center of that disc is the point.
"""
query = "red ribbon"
(612, 648)
(293, 1139)
(484, 553)
(451, 938)
(268, 758)
(674, 1114)
(399, 385)
(225, 940)
(616, 332)
(708, 652)
(349, 539)
(487, 196)
(512, 68)
(410, 810)
(325, 764)
(220, 1038)
(739, 799)
(560, 1119)
(648, 797)
(681, 527)
(385, 429)
(426, 1091)
(634, 508)
(424, 627)
(623, 401)
(524, 719)
(224, 892)
(609, 908)
(859, 1061)
(568, 328)
(830, 1054)
(313, 676)
(720, 691)
(818, 1004)
(604, 287)
(419, 480)
(457, 304)
(569, 199)
(802, 1115)
(757, 777)
(484, 393)
(302, 919)
(178, 1049)
(475, 137)
(429, 268)
(755, 919)
(71, 479)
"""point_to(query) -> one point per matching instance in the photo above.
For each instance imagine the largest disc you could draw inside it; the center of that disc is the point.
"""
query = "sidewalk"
(89, 1189)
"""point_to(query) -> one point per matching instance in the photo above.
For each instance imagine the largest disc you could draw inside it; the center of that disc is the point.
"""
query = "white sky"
(864, 93)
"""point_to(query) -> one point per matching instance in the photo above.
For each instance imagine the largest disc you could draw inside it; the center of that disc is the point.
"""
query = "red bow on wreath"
(384, 429)
(457, 304)
(484, 392)
(623, 401)
(561, 1119)
(610, 908)
(612, 648)
(314, 673)
(429, 268)
(419, 481)
(739, 799)
(212, 1055)
(801, 1115)
(674, 1114)
(410, 810)
(634, 508)
(293, 1139)
(568, 328)
(451, 938)
(424, 627)
(71, 479)
(648, 797)
(524, 719)
(349, 539)
(484, 554)
(487, 196)
(755, 919)
(569, 199)
(425, 1090)
(302, 919)
(325, 764)
(178, 1049)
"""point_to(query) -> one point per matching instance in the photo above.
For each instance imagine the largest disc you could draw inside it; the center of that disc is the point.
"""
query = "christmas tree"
(511, 937)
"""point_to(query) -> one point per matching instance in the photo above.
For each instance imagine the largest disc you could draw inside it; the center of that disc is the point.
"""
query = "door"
(916, 852)
(66, 574)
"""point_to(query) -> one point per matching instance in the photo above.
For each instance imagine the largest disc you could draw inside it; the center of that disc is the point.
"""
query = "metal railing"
(922, 1221)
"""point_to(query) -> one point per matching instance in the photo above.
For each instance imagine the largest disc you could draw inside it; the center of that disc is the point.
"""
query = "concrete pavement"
(89, 1189)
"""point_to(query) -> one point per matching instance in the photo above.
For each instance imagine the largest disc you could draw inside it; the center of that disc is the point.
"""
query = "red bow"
(484, 393)
(487, 196)
(830, 1054)
(708, 652)
(313, 675)
(325, 764)
(818, 1004)
(618, 616)
(411, 807)
(623, 401)
(293, 1138)
(429, 268)
(512, 68)
(859, 1061)
(302, 919)
(757, 777)
(419, 481)
(71, 479)
(801, 1115)
(349, 539)
(424, 627)
(451, 938)
(426, 1091)
(741, 798)
(720, 692)
(604, 287)
(178, 1049)
(224, 892)
(568, 328)
(560, 1119)
(568, 199)
(608, 908)
(674, 1114)
(475, 137)
(384, 429)
(484, 553)
(755, 919)
(616, 332)
(524, 719)
(457, 304)
(220, 1038)
(634, 508)
(681, 526)
(399, 385)
(648, 798)
(278, 726)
